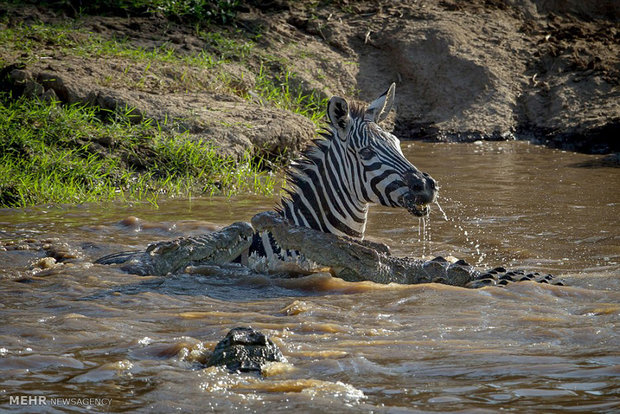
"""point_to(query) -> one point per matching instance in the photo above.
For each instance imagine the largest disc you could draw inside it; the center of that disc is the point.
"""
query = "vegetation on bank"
(51, 152)
(54, 153)
(274, 82)
(210, 11)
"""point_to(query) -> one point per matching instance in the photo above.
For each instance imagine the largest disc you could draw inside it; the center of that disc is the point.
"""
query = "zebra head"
(357, 164)
(378, 170)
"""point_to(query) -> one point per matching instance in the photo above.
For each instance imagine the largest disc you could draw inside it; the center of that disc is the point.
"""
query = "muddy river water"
(89, 337)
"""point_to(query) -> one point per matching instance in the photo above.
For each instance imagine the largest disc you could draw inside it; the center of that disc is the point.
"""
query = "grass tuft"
(282, 91)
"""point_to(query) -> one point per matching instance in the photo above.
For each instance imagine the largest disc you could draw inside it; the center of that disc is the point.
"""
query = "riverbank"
(194, 88)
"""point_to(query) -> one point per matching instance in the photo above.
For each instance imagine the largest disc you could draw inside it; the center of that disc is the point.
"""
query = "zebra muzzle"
(422, 192)
(415, 204)
(418, 210)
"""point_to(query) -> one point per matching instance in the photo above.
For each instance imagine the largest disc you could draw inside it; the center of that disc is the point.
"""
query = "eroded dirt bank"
(546, 71)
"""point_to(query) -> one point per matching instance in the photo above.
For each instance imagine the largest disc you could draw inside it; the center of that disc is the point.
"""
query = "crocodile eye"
(366, 153)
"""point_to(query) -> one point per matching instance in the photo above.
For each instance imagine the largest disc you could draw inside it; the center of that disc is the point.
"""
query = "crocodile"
(358, 260)
(345, 257)
(162, 258)
(245, 350)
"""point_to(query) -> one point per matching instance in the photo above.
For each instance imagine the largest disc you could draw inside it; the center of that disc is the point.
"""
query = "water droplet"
(445, 216)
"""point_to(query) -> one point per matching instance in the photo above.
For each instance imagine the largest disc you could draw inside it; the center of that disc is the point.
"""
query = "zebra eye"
(366, 153)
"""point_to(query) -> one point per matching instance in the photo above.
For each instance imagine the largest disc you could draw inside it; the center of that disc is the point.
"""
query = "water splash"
(474, 243)
(445, 216)
(421, 233)
(424, 234)
(428, 234)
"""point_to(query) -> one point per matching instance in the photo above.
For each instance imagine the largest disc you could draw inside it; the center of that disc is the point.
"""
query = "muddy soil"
(546, 71)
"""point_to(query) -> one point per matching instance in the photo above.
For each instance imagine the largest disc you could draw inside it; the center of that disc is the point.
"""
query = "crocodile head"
(161, 258)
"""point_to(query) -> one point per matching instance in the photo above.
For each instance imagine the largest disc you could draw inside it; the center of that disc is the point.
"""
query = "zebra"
(354, 164)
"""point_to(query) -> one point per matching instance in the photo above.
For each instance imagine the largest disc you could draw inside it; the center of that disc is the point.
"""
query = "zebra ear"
(338, 113)
(379, 109)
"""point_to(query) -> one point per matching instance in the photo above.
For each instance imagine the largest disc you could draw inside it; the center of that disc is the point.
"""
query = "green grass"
(274, 87)
(69, 39)
(50, 153)
(280, 91)
(204, 11)
(54, 153)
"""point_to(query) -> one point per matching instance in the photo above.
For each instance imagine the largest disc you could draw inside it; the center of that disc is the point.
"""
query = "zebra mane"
(315, 153)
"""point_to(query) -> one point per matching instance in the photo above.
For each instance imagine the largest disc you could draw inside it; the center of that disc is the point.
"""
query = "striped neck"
(323, 194)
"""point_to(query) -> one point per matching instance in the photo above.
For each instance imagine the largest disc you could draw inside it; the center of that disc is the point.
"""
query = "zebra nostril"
(420, 182)
(432, 184)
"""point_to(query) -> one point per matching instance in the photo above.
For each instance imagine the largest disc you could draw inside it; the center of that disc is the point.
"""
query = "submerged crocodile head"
(218, 247)
(165, 257)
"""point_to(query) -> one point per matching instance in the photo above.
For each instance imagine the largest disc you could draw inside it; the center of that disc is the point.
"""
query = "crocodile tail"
(500, 276)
